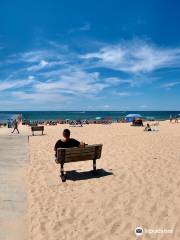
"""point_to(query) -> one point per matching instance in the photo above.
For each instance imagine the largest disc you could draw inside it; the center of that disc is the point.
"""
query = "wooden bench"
(37, 128)
(89, 152)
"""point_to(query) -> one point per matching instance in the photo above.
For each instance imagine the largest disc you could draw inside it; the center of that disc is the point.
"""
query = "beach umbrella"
(135, 115)
(98, 118)
(130, 117)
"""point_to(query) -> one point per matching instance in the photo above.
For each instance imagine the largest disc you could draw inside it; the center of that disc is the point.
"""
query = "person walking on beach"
(15, 124)
(67, 142)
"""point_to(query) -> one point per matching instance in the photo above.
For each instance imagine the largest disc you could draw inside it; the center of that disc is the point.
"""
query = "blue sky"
(90, 55)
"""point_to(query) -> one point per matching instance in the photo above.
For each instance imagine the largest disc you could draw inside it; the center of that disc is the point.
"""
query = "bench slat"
(93, 153)
(78, 154)
(85, 148)
(79, 158)
(80, 151)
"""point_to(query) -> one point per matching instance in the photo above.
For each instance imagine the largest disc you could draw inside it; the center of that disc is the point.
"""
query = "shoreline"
(87, 115)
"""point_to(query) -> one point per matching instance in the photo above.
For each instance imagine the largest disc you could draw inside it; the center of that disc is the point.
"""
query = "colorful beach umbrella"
(135, 115)
(130, 117)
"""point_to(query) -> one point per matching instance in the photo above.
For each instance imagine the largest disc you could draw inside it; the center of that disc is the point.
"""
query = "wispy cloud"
(134, 57)
(63, 74)
(123, 94)
(16, 83)
(170, 85)
(40, 97)
(83, 28)
(74, 82)
(126, 93)
(42, 64)
(36, 56)
(144, 106)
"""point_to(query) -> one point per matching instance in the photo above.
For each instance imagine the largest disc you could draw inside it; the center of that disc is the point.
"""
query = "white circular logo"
(139, 231)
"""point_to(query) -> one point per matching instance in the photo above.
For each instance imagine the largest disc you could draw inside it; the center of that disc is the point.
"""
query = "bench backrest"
(89, 152)
(37, 128)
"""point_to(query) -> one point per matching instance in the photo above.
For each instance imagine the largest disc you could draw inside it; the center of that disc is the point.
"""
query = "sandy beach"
(141, 187)
(138, 185)
(108, 71)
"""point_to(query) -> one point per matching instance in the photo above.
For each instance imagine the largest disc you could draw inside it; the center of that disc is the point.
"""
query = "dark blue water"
(80, 115)
(6, 116)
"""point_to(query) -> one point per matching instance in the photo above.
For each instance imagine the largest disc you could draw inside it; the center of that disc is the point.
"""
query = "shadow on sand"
(77, 176)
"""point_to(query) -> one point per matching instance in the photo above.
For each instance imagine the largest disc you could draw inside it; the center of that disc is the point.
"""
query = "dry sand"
(143, 189)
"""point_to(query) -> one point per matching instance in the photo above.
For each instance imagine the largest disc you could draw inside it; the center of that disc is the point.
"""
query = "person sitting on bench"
(67, 142)
(148, 128)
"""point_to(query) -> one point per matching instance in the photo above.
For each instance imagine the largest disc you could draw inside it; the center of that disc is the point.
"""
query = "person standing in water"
(15, 124)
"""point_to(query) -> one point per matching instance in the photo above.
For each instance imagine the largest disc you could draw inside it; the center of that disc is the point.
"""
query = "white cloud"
(15, 84)
(35, 56)
(83, 28)
(37, 97)
(74, 82)
(127, 93)
(169, 85)
(57, 72)
(123, 94)
(42, 64)
(133, 57)
(143, 106)
(31, 77)
(117, 81)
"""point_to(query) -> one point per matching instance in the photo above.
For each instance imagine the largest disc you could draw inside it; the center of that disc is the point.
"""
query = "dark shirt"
(69, 144)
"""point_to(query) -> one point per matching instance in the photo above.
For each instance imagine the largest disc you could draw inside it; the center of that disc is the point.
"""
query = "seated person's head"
(66, 133)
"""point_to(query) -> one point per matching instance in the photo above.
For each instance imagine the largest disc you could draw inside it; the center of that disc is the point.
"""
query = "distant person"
(147, 128)
(9, 123)
(67, 142)
(176, 119)
(15, 124)
(170, 118)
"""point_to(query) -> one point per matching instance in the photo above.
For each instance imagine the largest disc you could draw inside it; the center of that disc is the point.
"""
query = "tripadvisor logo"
(139, 231)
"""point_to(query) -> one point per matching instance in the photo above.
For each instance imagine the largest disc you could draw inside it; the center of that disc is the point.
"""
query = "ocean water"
(80, 115)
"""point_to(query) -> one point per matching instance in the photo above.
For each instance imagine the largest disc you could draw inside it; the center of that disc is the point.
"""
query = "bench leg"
(94, 166)
(63, 178)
